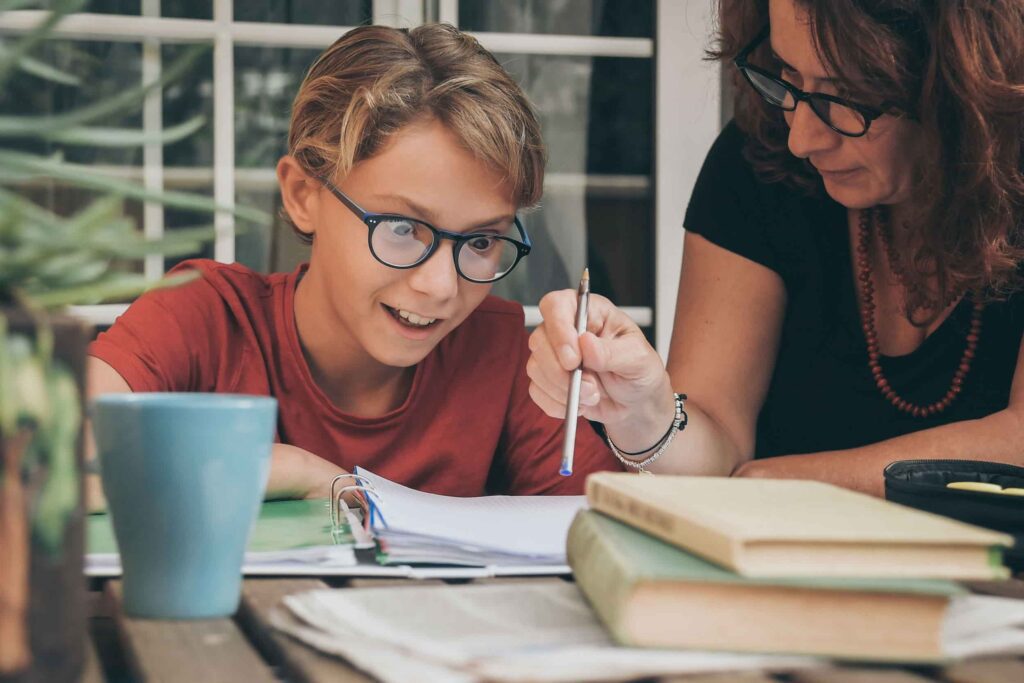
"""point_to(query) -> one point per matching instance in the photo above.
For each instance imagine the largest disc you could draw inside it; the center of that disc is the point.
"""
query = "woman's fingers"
(559, 312)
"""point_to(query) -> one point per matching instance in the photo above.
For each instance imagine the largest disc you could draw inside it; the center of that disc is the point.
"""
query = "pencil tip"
(586, 274)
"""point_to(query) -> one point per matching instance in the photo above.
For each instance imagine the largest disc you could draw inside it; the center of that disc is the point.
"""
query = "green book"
(653, 594)
(283, 525)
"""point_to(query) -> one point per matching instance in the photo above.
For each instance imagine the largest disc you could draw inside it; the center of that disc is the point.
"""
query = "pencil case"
(922, 484)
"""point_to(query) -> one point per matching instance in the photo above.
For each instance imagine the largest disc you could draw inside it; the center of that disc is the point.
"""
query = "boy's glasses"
(841, 115)
(401, 242)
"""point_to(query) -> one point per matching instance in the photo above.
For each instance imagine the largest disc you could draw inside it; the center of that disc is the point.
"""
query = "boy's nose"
(436, 277)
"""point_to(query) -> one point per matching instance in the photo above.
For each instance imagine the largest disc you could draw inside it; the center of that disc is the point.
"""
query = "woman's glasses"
(401, 242)
(841, 115)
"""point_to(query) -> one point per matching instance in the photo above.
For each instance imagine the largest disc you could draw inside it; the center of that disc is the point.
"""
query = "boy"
(409, 154)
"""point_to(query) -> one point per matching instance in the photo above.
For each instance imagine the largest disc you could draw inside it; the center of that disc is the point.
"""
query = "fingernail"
(590, 398)
(568, 356)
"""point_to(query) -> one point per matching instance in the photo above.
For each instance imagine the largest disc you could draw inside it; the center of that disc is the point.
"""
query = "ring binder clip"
(345, 527)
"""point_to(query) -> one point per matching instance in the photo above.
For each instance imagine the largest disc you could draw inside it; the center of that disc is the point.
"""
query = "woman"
(850, 286)
(409, 154)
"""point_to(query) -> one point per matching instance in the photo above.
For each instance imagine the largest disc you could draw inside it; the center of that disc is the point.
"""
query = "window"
(610, 81)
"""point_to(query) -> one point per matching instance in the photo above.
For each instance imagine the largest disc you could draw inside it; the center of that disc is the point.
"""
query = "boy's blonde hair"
(375, 80)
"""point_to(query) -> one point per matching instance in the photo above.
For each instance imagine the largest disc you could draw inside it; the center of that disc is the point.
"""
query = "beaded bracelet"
(678, 424)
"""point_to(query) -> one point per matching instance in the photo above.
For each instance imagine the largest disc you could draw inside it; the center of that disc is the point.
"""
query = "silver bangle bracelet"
(678, 425)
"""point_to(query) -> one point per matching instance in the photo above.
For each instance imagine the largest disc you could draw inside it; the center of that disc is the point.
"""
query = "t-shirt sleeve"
(728, 206)
(530, 450)
(166, 339)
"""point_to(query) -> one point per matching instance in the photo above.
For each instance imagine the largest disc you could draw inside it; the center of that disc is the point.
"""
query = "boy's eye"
(400, 228)
(481, 242)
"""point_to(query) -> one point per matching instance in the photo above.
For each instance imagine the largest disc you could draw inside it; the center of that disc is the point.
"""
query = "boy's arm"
(294, 472)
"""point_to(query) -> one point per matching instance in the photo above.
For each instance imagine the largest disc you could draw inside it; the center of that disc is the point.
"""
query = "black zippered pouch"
(921, 484)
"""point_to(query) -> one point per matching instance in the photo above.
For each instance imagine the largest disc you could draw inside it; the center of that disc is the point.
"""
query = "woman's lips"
(840, 174)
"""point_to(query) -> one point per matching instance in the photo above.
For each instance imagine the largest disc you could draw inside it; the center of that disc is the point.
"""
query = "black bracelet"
(659, 441)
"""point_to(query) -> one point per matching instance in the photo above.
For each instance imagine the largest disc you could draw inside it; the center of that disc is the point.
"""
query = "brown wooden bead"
(877, 219)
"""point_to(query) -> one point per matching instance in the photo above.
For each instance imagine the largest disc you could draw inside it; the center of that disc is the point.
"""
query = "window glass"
(568, 17)
(317, 12)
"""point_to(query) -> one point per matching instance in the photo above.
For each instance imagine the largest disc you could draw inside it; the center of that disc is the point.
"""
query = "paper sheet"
(540, 630)
(487, 529)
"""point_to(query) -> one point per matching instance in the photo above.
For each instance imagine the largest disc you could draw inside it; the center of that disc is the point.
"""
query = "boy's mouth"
(410, 319)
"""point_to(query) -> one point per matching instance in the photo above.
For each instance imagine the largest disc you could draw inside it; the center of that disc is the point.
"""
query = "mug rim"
(183, 399)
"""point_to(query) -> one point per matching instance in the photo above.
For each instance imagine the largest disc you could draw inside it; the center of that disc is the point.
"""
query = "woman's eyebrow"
(790, 67)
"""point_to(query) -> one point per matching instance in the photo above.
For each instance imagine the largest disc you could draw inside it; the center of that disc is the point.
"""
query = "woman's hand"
(624, 382)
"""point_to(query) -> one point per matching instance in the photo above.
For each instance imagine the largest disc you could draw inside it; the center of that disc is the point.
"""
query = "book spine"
(648, 516)
(601, 573)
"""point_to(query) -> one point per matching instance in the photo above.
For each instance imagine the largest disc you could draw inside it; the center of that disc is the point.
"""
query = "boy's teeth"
(415, 319)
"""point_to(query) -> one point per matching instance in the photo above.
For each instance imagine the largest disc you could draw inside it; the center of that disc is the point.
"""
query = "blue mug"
(184, 476)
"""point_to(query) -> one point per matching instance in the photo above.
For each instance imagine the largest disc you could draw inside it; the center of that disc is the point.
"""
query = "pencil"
(572, 403)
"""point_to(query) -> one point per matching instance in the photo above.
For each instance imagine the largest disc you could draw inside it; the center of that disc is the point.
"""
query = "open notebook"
(413, 527)
(460, 537)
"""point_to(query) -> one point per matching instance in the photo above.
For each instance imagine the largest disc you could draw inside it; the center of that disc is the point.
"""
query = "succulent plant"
(48, 260)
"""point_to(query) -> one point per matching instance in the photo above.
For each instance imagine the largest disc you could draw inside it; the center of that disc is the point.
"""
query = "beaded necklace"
(870, 218)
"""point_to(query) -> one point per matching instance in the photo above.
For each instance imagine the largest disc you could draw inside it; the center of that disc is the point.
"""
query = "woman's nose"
(808, 134)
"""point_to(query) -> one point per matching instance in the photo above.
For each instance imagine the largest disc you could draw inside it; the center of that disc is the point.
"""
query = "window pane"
(178, 9)
(188, 163)
(266, 80)
(568, 17)
(188, 9)
(597, 209)
(102, 69)
(114, 6)
(336, 13)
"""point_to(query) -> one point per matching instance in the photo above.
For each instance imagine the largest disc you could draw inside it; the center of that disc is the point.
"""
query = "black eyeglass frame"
(372, 220)
(869, 113)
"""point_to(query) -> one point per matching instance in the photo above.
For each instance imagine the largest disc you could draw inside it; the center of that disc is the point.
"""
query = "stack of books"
(802, 567)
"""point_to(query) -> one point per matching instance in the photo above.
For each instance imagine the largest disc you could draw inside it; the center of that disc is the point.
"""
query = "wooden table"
(245, 649)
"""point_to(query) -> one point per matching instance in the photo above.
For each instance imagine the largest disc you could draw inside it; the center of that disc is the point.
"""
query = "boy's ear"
(300, 194)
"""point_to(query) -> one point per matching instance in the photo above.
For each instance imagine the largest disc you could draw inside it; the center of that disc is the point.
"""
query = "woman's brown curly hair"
(954, 66)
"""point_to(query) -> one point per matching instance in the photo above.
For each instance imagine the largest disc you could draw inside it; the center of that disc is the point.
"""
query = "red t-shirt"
(468, 426)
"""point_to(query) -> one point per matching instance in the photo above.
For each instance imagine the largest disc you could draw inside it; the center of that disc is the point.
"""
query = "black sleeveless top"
(822, 395)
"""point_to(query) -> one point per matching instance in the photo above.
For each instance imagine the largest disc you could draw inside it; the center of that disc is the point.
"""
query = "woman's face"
(397, 316)
(874, 169)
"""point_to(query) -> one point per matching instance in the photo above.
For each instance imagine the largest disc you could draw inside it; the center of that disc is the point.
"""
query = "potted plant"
(48, 261)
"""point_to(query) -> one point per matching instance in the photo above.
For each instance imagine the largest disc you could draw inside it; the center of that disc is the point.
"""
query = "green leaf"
(124, 137)
(119, 286)
(46, 72)
(11, 58)
(87, 177)
(11, 5)
(117, 105)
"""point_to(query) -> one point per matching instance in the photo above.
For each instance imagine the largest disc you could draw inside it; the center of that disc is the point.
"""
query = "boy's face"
(423, 173)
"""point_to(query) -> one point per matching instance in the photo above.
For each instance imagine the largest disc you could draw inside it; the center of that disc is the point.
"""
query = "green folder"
(282, 525)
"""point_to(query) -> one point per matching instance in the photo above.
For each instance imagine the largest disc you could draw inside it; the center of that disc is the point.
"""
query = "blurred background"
(627, 104)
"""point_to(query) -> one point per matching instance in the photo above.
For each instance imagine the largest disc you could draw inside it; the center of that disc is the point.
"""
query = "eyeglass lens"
(406, 242)
(839, 116)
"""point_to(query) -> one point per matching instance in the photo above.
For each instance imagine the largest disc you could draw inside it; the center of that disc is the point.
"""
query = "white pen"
(572, 403)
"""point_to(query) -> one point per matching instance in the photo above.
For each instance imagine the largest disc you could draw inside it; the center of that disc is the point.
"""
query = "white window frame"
(684, 131)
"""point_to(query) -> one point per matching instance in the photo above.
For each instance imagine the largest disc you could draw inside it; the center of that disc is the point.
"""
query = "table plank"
(92, 671)
(300, 662)
(167, 651)
(988, 670)
(857, 674)
(724, 677)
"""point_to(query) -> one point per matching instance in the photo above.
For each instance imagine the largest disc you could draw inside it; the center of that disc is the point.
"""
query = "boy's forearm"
(297, 473)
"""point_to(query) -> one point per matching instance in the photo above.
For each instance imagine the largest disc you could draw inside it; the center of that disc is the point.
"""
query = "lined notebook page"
(527, 525)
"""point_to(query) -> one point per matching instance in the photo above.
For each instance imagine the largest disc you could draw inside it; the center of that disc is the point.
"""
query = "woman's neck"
(351, 378)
